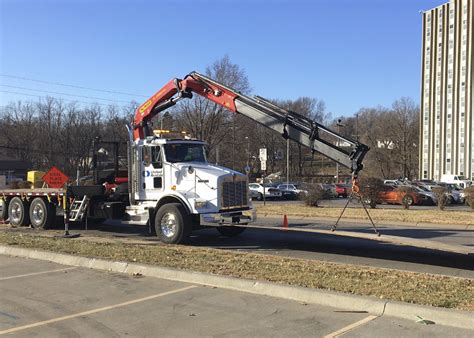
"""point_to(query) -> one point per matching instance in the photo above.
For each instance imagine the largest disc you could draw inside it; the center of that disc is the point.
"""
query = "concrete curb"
(460, 319)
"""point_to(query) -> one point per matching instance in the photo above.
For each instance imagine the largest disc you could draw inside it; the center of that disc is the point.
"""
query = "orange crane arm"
(175, 90)
(289, 124)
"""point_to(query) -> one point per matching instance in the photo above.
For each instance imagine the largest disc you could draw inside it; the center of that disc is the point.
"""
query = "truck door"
(152, 173)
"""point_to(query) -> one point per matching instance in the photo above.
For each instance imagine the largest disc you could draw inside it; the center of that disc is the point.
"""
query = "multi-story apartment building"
(447, 96)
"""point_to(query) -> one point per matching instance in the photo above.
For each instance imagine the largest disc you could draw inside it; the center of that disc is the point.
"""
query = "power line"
(71, 86)
(67, 94)
(45, 97)
(37, 151)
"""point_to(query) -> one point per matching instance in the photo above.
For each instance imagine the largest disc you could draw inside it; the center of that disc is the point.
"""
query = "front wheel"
(173, 224)
(230, 231)
(259, 197)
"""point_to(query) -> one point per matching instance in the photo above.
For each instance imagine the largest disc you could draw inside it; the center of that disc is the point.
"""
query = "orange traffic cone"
(285, 221)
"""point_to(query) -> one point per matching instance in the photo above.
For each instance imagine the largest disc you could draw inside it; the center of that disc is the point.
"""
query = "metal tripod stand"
(355, 193)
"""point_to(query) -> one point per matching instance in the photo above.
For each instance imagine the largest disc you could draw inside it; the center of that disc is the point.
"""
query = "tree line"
(50, 132)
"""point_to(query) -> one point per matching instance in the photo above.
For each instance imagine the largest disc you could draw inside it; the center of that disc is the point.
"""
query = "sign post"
(56, 179)
(263, 167)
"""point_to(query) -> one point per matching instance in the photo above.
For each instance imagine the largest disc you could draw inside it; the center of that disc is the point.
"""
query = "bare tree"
(404, 135)
(212, 122)
(392, 135)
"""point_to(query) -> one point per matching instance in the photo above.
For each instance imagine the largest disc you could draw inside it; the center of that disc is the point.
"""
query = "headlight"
(199, 204)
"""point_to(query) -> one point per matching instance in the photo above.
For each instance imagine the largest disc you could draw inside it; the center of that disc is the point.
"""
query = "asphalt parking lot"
(49, 300)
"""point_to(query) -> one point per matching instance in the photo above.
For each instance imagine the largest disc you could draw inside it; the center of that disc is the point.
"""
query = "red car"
(343, 190)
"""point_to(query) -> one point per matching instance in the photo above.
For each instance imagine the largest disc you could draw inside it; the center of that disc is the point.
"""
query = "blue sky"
(351, 54)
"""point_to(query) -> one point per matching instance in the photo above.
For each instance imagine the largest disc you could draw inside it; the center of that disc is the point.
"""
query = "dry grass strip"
(419, 288)
(389, 215)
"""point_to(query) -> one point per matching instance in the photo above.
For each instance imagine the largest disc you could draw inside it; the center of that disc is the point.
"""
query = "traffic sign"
(263, 165)
(55, 178)
(263, 154)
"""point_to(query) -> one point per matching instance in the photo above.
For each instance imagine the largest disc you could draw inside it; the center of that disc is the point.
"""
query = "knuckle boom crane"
(290, 125)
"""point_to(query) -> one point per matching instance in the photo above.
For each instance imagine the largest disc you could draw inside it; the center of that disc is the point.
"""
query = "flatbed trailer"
(38, 207)
(42, 207)
(31, 193)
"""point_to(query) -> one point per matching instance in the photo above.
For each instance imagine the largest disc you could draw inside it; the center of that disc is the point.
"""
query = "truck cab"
(168, 171)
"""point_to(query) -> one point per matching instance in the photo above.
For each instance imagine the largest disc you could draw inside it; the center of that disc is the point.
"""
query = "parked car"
(426, 191)
(392, 182)
(292, 191)
(454, 192)
(257, 190)
(343, 190)
(330, 190)
(413, 195)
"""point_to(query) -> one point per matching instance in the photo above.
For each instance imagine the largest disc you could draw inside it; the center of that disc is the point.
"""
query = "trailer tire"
(3, 210)
(230, 231)
(18, 212)
(42, 214)
(173, 225)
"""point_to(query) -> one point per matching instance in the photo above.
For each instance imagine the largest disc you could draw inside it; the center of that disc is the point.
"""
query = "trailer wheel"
(42, 214)
(230, 231)
(3, 210)
(18, 212)
(173, 224)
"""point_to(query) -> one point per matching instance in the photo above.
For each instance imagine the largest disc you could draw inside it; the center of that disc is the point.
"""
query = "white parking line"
(350, 327)
(86, 313)
(37, 273)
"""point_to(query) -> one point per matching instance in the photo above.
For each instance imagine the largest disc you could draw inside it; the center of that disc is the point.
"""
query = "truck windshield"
(184, 152)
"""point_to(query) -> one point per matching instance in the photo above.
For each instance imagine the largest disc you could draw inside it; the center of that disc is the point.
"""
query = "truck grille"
(234, 195)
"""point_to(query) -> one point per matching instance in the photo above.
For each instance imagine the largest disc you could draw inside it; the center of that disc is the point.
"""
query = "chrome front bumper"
(229, 218)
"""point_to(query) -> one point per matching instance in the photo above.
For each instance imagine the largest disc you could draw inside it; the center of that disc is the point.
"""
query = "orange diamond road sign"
(55, 178)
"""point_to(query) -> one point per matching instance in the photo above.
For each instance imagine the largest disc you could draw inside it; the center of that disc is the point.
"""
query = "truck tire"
(173, 224)
(18, 212)
(230, 231)
(3, 210)
(42, 214)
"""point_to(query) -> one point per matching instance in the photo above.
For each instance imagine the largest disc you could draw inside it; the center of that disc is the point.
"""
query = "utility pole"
(287, 160)
(357, 127)
(247, 167)
(338, 124)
